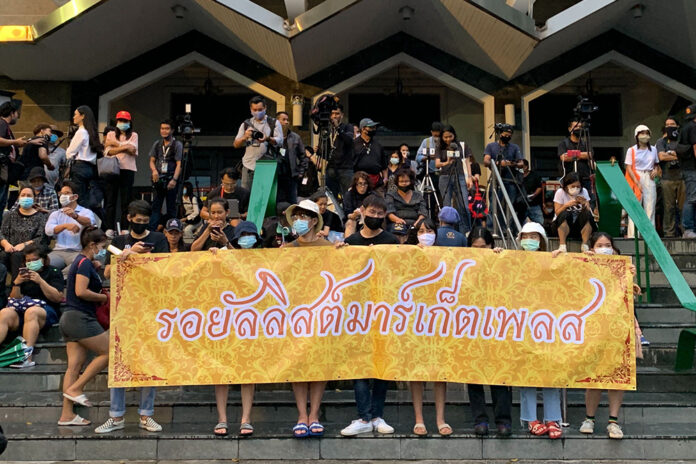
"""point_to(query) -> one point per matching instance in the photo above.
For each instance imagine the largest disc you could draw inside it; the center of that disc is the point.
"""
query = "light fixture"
(406, 12)
(179, 11)
(297, 107)
(637, 11)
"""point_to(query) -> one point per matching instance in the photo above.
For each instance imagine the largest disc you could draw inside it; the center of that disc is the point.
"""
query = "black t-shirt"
(240, 197)
(209, 242)
(6, 133)
(82, 266)
(531, 183)
(332, 220)
(52, 276)
(687, 136)
(456, 165)
(369, 157)
(670, 169)
(384, 238)
(30, 159)
(584, 171)
(124, 242)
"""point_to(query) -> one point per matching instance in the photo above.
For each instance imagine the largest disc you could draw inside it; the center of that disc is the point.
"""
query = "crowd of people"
(55, 233)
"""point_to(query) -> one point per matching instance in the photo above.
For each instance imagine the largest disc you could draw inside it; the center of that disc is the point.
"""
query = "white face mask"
(427, 239)
(604, 251)
(644, 138)
(65, 200)
(573, 191)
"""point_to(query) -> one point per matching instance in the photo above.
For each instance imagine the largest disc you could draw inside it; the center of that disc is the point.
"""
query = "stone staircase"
(658, 419)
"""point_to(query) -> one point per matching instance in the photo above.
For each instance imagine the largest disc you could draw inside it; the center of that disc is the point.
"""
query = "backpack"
(477, 204)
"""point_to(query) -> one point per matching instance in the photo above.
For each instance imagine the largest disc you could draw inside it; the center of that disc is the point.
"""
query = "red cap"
(123, 115)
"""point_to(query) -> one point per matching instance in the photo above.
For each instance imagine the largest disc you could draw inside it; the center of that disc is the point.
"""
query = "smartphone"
(216, 229)
(573, 153)
(23, 270)
(149, 245)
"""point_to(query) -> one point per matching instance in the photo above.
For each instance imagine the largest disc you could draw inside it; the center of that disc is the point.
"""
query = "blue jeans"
(534, 214)
(528, 404)
(118, 402)
(449, 191)
(160, 196)
(370, 403)
(689, 211)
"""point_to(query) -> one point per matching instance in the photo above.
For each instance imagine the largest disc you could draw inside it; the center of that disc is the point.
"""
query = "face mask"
(394, 161)
(138, 228)
(183, 191)
(576, 132)
(573, 191)
(247, 241)
(549, 210)
(65, 200)
(427, 239)
(101, 254)
(404, 188)
(604, 251)
(123, 126)
(35, 265)
(370, 133)
(301, 226)
(529, 244)
(373, 223)
(258, 115)
(53, 138)
(644, 138)
(505, 138)
(26, 202)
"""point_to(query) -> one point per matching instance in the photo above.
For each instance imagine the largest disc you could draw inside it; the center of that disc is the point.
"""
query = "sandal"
(316, 429)
(537, 428)
(220, 426)
(444, 430)
(77, 420)
(554, 429)
(420, 430)
(246, 429)
(300, 430)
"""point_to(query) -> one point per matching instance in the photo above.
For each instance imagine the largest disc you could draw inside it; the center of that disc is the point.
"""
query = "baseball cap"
(367, 122)
(123, 115)
(55, 130)
(174, 224)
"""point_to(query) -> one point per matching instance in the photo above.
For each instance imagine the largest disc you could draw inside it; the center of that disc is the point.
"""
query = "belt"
(85, 162)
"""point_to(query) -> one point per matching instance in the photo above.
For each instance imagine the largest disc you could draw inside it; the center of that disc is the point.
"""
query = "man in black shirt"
(369, 155)
(533, 187)
(36, 156)
(687, 160)
(339, 170)
(165, 164)
(374, 211)
(574, 157)
(672, 181)
(293, 162)
(236, 196)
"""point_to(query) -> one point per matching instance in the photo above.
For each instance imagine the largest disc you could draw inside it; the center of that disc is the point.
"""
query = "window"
(218, 115)
(549, 115)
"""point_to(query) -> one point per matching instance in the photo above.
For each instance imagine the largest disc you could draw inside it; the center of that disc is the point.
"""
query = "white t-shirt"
(646, 159)
(561, 197)
(252, 153)
(79, 147)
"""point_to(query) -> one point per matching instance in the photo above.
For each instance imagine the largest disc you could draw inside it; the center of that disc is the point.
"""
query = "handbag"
(635, 187)
(104, 311)
(108, 166)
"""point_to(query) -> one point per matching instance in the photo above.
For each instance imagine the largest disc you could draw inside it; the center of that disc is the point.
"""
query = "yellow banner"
(389, 312)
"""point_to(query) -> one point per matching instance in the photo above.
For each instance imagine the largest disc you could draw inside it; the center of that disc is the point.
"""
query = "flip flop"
(81, 400)
(316, 425)
(444, 430)
(220, 425)
(77, 420)
(420, 430)
(246, 427)
(300, 430)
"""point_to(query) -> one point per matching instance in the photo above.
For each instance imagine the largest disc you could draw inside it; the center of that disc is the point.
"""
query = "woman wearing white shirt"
(83, 150)
(642, 165)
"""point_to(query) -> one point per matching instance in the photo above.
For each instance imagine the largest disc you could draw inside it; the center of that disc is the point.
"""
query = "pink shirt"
(125, 160)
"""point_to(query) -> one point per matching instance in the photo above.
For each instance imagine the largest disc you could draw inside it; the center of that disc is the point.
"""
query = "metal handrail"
(508, 209)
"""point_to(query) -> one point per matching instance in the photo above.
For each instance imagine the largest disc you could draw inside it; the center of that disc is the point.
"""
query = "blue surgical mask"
(258, 115)
(35, 265)
(26, 202)
(529, 244)
(301, 226)
(394, 161)
(53, 138)
(123, 126)
(247, 241)
(101, 254)
(183, 191)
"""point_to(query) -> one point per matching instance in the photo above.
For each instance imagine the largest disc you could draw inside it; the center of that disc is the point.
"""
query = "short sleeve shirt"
(509, 152)
(82, 266)
(384, 238)
(645, 158)
(561, 197)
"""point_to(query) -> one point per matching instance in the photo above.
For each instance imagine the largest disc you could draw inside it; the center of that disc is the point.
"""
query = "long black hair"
(481, 232)
(448, 128)
(412, 238)
(90, 125)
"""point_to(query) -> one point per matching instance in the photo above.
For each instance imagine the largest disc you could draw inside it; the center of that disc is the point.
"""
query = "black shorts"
(577, 222)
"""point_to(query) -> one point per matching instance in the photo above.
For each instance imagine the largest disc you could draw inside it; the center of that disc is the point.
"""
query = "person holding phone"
(217, 232)
(573, 214)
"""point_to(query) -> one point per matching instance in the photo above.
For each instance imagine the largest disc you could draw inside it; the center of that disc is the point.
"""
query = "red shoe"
(554, 429)
(537, 428)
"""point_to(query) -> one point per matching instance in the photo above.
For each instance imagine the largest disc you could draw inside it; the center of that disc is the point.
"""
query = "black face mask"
(505, 139)
(577, 132)
(373, 223)
(138, 228)
(370, 133)
(404, 188)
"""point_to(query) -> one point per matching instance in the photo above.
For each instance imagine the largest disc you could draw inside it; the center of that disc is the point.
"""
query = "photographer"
(455, 174)
(672, 182)
(165, 164)
(687, 159)
(508, 158)
(293, 162)
(575, 157)
(339, 170)
(369, 155)
(56, 154)
(260, 135)
(36, 156)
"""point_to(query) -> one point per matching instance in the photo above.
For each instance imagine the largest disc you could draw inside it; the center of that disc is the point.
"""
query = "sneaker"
(504, 430)
(587, 426)
(584, 247)
(22, 365)
(563, 248)
(644, 341)
(689, 234)
(357, 427)
(150, 425)
(110, 425)
(381, 426)
(481, 429)
(614, 431)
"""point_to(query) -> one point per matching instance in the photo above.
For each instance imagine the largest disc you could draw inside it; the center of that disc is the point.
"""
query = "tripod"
(324, 132)
(187, 168)
(456, 194)
(427, 189)
(586, 121)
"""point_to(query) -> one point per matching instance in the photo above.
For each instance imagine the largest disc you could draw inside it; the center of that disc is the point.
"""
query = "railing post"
(646, 255)
(635, 238)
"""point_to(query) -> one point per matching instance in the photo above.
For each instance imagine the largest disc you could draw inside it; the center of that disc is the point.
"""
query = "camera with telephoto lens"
(321, 112)
(45, 138)
(257, 135)
(503, 127)
(585, 107)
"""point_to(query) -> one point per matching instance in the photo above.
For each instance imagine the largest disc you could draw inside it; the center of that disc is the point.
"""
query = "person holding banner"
(307, 222)
(80, 327)
(532, 237)
(373, 210)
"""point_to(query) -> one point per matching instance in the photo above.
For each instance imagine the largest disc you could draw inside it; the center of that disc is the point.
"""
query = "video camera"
(321, 112)
(585, 107)
(503, 127)
(185, 126)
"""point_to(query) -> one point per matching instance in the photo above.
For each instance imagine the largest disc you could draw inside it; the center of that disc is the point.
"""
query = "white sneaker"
(614, 431)
(110, 425)
(689, 234)
(563, 248)
(357, 427)
(587, 426)
(150, 425)
(381, 426)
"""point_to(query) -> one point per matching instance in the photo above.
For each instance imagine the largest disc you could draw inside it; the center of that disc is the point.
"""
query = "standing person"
(427, 152)
(56, 154)
(394, 164)
(339, 169)
(535, 194)
(642, 166)
(36, 156)
(259, 134)
(673, 189)
(165, 166)
(406, 158)
(79, 326)
(687, 160)
(84, 149)
(65, 225)
(123, 144)
(455, 174)
(293, 161)
(369, 155)
(575, 157)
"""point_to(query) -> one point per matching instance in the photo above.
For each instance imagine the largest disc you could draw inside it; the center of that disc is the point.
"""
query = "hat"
(691, 111)
(174, 224)
(539, 229)
(37, 172)
(367, 122)
(640, 129)
(55, 130)
(247, 227)
(449, 215)
(307, 205)
(123, 115)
